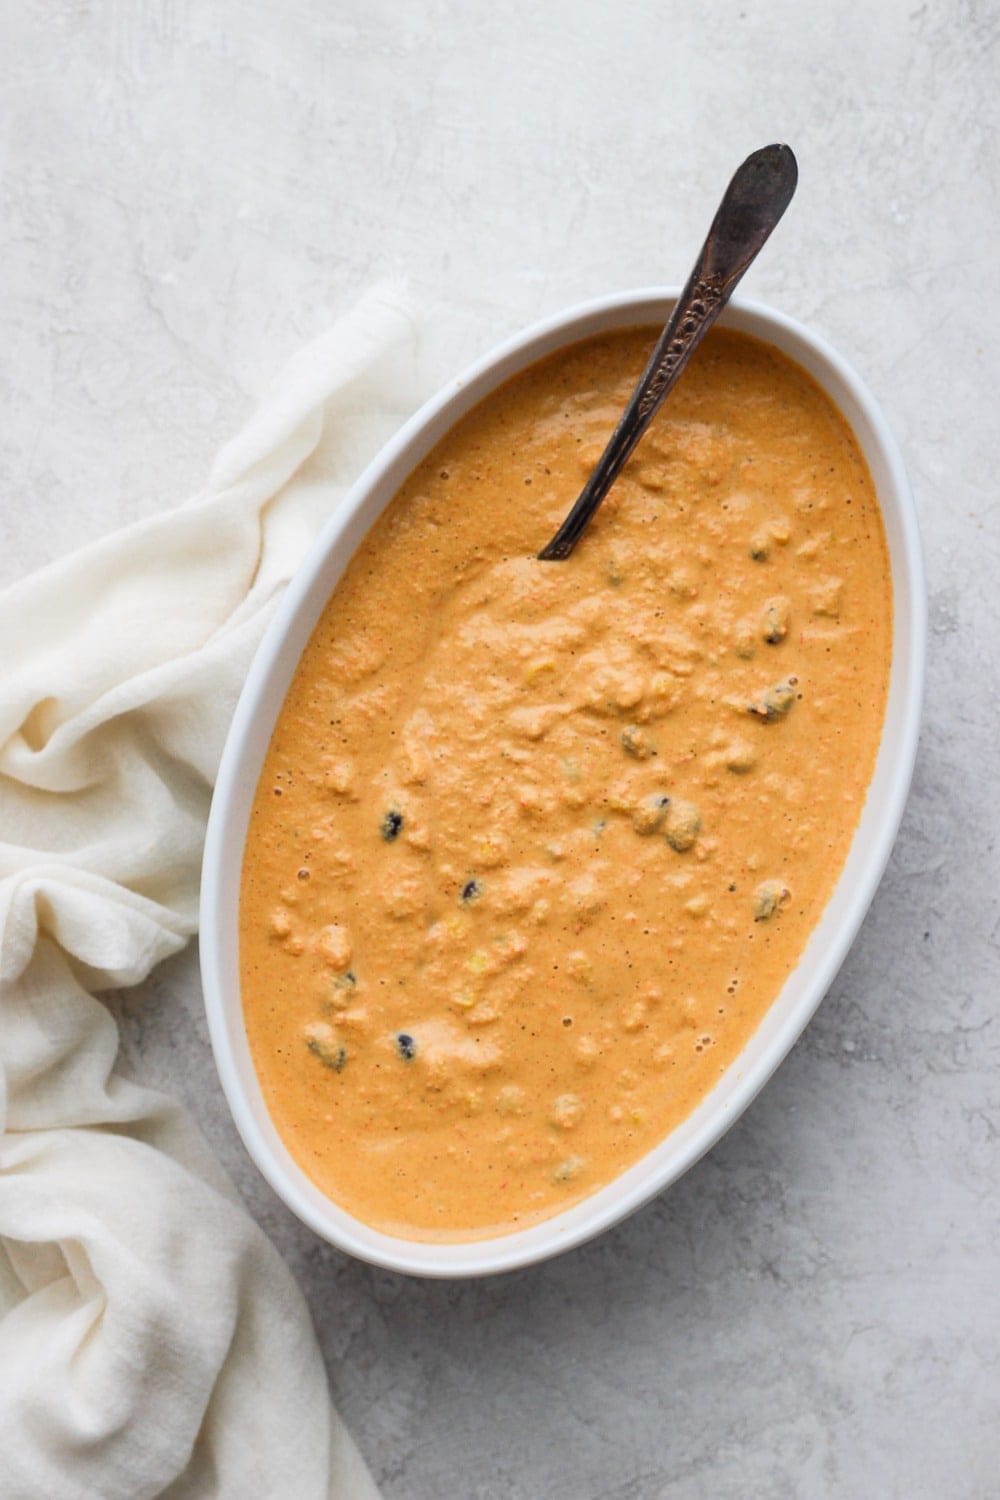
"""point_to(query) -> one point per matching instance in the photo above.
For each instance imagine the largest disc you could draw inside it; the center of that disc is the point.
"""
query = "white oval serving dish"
(264, 693)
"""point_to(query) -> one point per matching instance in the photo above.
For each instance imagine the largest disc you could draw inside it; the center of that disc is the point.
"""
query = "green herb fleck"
(334, 1058)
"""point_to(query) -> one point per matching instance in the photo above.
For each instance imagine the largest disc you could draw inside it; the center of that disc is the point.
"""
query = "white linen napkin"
(151, 1340)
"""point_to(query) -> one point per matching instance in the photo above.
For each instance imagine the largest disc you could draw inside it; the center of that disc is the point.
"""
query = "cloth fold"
(151, 1340)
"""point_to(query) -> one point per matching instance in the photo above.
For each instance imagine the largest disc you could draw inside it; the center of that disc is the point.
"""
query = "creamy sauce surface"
(535, 845)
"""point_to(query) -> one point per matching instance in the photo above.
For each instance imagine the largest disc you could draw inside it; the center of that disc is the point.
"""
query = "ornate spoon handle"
(754, 201)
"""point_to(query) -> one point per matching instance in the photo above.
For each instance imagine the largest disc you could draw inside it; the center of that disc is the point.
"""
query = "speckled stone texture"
(190, 191)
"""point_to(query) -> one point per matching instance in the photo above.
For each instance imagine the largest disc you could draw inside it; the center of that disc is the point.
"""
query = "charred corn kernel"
(333, 944)
(682, 825)
(567, 1111)
(768, 898)
(637, 742)
(538, 669)
(323, 1042)
(773, 702)
(775, 618)
(650, 813)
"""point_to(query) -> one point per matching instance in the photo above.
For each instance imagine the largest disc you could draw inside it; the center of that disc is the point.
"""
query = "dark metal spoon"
(754, 201)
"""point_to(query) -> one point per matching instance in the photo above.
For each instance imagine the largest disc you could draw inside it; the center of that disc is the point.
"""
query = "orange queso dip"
(536, 844)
